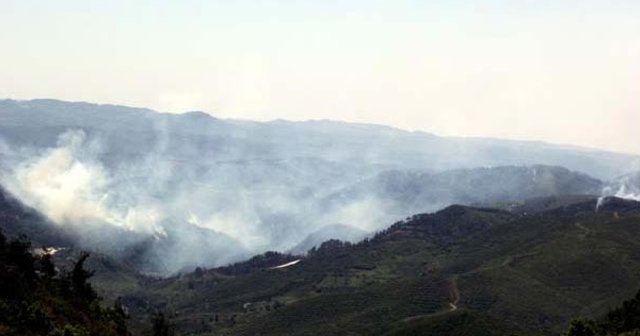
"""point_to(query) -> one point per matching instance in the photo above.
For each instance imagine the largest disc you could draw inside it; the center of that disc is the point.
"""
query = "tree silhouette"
(582, 326)
(161, 325)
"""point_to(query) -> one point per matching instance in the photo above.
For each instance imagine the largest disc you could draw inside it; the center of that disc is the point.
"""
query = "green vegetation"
(35, 299)
(622, 321)
(460, 271)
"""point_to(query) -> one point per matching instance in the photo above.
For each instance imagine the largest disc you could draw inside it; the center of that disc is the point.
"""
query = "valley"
(302, 240)
(331, 168)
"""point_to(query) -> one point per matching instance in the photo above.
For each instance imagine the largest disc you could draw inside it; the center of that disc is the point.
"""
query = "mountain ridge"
(364, 125)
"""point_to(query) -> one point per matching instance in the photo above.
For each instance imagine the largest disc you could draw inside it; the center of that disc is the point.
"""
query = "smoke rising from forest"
(191, 190)
(153, 195)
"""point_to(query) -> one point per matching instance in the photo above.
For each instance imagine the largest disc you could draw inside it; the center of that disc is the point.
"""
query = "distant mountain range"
(200, 139)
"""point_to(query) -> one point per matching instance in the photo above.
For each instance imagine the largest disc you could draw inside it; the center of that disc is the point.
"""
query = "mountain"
(124, 179)
(128, 132)
(477, 270)
(177, 245)
(526, 268)
(407, 192)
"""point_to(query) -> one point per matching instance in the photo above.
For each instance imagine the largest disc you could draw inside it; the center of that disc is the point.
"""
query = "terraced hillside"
(484, 271)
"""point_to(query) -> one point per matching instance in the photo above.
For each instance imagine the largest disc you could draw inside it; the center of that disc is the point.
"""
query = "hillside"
(177, 244)
(527, 269)
(38, 299)
(134, 251)
(16, 219)
(408, 192)
(489, 270)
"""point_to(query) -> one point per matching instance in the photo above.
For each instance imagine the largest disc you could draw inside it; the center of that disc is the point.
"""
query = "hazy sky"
(555, 70)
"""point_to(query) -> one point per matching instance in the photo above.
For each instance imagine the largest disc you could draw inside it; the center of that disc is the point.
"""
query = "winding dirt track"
(586, 231)
(454, 292)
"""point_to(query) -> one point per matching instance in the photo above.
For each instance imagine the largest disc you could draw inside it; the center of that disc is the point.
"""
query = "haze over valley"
(335, 168)
(119, 178)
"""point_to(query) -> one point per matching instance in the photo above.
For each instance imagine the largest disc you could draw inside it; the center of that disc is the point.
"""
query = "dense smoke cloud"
(68, 185)
(241, 210)
(177, 191)
(195, 210)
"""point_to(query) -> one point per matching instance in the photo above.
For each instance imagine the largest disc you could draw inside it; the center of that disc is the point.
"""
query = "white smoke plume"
(69, 186)
(246, 208)
(626, 187)
(204, 194)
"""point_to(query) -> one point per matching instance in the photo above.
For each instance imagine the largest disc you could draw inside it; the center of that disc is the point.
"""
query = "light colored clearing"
(47, 250)
(291, 263)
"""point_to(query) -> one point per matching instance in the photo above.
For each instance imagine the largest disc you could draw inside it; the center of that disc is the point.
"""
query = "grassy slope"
(503, 272)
